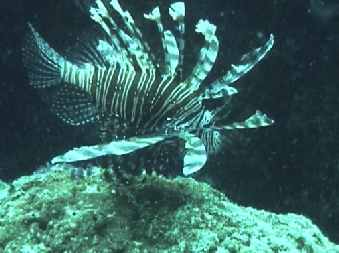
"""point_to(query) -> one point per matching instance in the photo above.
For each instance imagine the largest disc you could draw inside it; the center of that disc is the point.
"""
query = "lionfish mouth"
(118, 79)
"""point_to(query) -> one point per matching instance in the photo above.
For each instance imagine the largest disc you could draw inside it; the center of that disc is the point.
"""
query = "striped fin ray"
(101, 74)
(86, 50)
(121, 101)
(161, 101)
(109, 52)
(169, 43)
(43, 63)
(194, 159)
(131, 91)
(145, 87)
(195, 156)
(171, 53)
(137, 97)
(115, 89)
(107, 78)
(120, 147)
(173, 100)
(143, 47)
(101, 16)
(221, 88)
(73, 106)
(208, 54)
(258, 119)
(212, 139)
(190, 114)
(130, 38)
(80, 76)
(177, 12)
(218, 90)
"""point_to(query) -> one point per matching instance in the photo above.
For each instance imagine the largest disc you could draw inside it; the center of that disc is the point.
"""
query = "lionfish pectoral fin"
(213, 137)
(195, 156)
(259, 119)
(221, 87)
(43, 64)
(120, 147)
(74, 106)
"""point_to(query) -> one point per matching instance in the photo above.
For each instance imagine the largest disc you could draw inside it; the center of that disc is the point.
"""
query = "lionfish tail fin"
(43, 64)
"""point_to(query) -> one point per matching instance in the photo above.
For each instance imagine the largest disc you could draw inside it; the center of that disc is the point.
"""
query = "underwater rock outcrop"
(51, 212)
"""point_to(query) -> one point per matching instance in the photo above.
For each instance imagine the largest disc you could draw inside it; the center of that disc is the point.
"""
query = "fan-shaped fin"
(73, 106)
(43, 63)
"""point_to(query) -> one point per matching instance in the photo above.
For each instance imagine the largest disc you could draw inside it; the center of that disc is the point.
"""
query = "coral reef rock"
(53, 212)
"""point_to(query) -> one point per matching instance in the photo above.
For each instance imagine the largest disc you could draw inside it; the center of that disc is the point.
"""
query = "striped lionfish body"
(118, 80)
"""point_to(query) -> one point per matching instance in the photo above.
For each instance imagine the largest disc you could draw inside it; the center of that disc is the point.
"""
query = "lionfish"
(118, 81)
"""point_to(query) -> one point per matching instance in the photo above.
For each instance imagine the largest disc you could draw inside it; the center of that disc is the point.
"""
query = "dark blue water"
(292, 166)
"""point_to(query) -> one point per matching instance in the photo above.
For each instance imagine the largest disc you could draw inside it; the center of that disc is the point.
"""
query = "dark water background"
(290, 167)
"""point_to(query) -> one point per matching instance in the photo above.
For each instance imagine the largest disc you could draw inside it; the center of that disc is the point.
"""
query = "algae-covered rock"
(51, 212)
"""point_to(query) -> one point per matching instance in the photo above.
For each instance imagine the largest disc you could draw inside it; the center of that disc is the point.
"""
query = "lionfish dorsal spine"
(169, 43)
(135, 32)
(183, 91)
(128, 40)
(258, 119)
(207, 56)
(177, 12)
(221, 87)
